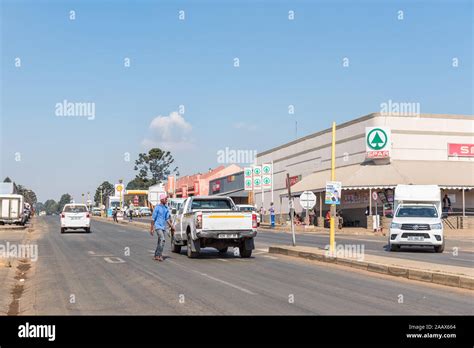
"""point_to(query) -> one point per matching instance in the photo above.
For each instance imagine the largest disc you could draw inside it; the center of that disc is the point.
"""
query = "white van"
(11, 209)
(417, 220)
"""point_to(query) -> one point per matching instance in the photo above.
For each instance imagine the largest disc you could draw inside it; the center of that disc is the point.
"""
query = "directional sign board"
(307, 200)
(378, 142)
(333, 192)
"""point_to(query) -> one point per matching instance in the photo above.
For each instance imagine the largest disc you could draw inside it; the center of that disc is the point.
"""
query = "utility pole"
(292, 209)
(333, 178)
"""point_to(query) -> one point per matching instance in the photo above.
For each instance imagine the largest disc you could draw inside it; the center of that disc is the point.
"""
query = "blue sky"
(191, 63)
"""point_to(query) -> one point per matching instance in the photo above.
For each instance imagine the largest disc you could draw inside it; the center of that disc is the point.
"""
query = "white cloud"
(170, 132)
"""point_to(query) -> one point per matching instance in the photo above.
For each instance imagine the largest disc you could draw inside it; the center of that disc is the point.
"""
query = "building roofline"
(362, 119)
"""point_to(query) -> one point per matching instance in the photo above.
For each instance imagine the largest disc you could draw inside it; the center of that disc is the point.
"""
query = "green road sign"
(377, 139)
(267, 168)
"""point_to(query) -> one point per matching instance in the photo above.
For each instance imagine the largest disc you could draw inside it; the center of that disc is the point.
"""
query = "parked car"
(145, 211)
(207, 221)
(75, 216)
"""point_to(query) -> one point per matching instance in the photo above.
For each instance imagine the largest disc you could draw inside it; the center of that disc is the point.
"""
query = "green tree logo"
(377, 139)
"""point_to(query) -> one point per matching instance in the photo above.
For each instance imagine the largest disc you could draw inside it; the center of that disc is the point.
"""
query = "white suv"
(75, 216)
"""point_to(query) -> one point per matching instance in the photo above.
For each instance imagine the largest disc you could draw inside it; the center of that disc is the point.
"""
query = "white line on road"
(114, 260)
(271, 257)
(457, 258)
(229, 284)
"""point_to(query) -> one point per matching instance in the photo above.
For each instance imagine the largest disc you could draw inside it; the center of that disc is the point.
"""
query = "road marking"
(456, 258)
(114, 259)
(91, 252)
(228, 284)
(223, 260)
(271, 257)
(261, 249)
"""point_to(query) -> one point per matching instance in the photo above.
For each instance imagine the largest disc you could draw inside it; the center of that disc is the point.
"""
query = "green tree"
(107, 190)
(138, 184)
(154, 167)
(65, 199)
(50, 206)
(29, 195)
(39, 207)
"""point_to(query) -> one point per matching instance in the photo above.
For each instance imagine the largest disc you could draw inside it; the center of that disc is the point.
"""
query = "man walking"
(114, 214)
(272, 215)
(161, 217)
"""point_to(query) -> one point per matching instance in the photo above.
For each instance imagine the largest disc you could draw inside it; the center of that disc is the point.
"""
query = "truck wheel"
(244, 252)
(63, 230)
(394, 247)
(174, 247)
(191, 254)
(223, 250)
(439, 248)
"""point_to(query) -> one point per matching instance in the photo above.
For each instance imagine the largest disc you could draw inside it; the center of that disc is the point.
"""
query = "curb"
(457, 281)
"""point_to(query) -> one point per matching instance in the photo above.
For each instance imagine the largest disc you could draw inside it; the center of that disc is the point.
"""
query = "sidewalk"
(461, 277)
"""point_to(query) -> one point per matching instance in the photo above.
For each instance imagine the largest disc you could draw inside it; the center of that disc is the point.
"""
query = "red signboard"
(378, 154)
(461, 150)
(293, 180)
(216, 186)
(135, 200)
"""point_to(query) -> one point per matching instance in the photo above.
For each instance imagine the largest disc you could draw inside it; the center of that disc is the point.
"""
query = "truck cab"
(417, 218)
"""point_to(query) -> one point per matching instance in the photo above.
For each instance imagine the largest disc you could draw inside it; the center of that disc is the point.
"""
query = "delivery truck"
(417, 220)
(11, 209)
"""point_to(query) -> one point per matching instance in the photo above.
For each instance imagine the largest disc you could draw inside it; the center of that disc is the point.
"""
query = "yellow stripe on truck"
(226, 217)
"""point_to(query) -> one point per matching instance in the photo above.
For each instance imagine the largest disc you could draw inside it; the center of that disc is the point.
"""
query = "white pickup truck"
(216, 222)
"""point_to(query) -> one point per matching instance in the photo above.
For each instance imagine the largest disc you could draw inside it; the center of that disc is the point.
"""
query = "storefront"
(230, 185)
(374, 153)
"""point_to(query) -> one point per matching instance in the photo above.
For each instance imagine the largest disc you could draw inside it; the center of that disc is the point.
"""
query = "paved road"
(93, 270)
(376, 245)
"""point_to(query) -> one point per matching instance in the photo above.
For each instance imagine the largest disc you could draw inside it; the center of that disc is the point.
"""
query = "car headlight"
(396, 226)
(436, 226)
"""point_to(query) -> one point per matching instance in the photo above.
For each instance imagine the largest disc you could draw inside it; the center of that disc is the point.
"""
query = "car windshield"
(75, 209)
(246, 208)
(211, 204)
(424, 212)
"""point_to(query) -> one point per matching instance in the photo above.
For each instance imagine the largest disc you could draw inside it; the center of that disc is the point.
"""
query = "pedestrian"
(446, 204)
(130, 214)
(272, 215)
(114, 214)
(160, 219)
(367, 211)
(312, 214)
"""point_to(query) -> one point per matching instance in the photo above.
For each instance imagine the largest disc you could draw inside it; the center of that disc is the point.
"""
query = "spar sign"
(377, 142)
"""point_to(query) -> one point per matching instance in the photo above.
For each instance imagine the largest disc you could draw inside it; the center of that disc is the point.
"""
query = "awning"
(446, 174)
(234, 193)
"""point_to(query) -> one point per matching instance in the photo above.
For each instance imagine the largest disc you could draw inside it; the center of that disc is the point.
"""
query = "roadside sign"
(257, 182)
(257, 170)
(333, 192)
(267, 181)
(248, 184)
(267, 169)
(374, 195)
(378, 142)
(247, 172)
(119, 190)
(135, 200)
(307, 200)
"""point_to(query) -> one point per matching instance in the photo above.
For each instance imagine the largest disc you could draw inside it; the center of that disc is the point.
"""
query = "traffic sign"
(307, 200)
(378, 143)
(333, 192)
(374, 195)
(267, 181)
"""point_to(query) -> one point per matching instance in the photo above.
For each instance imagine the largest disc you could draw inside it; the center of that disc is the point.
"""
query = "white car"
(249, 208)
(75, 216)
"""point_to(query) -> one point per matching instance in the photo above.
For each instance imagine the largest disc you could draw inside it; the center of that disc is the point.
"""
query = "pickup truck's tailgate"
(226, 221)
